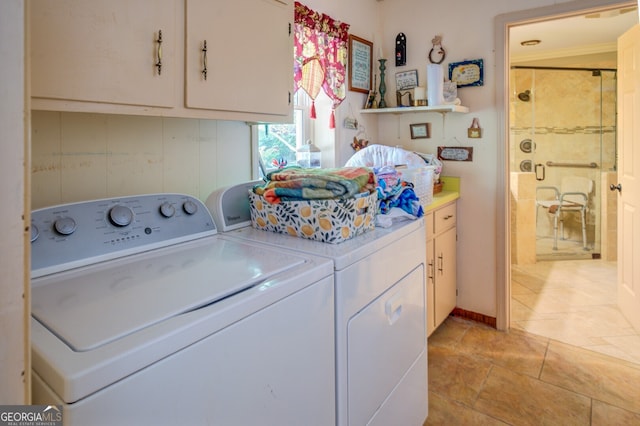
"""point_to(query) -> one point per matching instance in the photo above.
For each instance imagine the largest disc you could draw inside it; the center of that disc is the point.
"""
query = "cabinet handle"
(441, 266)
(159, 52)
(447, 217)
(430, 271)
(204, 60)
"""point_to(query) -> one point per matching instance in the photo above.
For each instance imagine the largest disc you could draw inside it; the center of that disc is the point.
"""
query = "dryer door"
(386, 337)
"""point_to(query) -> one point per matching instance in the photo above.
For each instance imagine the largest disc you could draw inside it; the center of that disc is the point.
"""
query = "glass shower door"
(566, 124)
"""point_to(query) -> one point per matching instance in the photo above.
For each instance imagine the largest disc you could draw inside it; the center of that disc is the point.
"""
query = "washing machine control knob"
(65, 225)
(190, 207)
(35, 232)
(120, 215)
(167, 209)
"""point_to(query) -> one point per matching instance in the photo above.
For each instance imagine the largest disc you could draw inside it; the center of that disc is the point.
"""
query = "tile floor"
(567, 249)
(480, 376)
(575, 302)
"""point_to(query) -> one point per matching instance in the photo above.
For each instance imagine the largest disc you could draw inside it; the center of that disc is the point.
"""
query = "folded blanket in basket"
(296, 184)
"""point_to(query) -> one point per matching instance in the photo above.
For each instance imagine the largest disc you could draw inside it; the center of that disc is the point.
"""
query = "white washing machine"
(380, 305)
(143, 314)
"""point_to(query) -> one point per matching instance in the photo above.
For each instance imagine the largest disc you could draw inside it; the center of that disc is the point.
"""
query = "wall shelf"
(403, 110)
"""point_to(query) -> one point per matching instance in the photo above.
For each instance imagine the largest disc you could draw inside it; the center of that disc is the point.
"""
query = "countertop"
(450, 192)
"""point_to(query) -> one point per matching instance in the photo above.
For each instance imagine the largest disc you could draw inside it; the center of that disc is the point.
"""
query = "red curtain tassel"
(313, 109)
(332, 120)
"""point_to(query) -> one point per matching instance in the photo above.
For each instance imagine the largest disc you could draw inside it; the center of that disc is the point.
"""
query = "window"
(276, 143)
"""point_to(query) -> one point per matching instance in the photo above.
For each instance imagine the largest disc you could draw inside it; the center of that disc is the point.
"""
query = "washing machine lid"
(93, 306)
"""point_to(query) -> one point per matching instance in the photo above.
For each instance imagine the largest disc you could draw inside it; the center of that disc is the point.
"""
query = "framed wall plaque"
(467, 73)
(406, 80)
(360, 64)
(455, 153)
(420, 130)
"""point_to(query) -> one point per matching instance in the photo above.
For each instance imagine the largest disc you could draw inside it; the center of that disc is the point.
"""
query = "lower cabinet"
(441, 264)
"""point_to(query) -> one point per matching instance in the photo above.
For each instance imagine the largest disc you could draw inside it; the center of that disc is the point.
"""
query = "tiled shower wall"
(78, 156)
(570, 118)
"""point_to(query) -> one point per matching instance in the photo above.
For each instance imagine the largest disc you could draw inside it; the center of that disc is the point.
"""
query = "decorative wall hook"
(438, 49)
(474, 131)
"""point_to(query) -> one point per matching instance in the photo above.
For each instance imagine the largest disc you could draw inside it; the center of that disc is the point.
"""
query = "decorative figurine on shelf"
(400, 95)
(371, 103)
(383, 86)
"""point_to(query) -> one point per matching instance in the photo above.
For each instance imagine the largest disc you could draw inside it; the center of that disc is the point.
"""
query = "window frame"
(302, 106)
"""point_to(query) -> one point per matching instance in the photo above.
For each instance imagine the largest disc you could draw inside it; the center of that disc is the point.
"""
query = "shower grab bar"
(583, 165)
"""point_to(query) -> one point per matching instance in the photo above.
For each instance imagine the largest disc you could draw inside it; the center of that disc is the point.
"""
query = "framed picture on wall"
(420, 130)
(406, 80)
(467, 73)
(360, 64)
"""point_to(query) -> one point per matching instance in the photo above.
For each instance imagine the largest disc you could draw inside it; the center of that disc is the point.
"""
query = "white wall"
(14, 283)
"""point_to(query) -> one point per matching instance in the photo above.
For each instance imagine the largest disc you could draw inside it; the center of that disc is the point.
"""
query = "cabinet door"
(249, 56)
(431, 313)
(431, 292)
(103, 51)
(445, 274)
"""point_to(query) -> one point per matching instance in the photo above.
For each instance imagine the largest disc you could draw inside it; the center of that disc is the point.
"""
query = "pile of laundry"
(395, 192)
(298, 184)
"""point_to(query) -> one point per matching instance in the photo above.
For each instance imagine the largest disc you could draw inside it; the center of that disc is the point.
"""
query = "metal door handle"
(159, 53)
(204, 60)
(541, 167)
(617, 187)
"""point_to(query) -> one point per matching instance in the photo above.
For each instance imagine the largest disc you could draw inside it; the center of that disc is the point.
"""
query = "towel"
(297, 184)
(394, 192)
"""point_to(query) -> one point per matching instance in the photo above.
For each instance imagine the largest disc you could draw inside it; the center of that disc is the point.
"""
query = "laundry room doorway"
(537, 292)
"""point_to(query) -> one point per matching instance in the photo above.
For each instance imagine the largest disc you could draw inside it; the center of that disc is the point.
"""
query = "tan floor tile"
(556, 328)
(514, 350)
(597, 376)
(517, 288)
(522, 400)
(521, 312)
(630, 344)
(443, 411)
(454, 375)
(544, 303)
(575, 302)
(527, 280)
(612, 351)
(449, 332)
(603, 414)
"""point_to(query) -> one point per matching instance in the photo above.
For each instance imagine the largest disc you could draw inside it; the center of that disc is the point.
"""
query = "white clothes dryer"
(143, 314)
(380, 308)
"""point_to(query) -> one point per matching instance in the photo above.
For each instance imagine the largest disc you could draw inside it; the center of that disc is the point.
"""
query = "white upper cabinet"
(104, 57)
(104, 51)
(248, 56)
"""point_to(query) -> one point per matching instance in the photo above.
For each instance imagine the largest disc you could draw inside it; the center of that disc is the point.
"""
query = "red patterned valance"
(320, 55)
